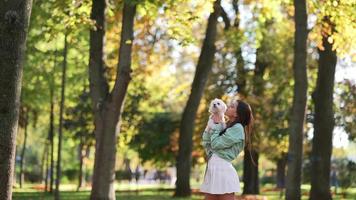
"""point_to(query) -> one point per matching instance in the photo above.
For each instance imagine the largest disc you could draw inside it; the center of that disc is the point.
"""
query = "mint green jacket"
(227, 146)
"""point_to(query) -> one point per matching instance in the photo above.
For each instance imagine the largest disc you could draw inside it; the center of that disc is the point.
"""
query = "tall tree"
(203, 69)
(250, 164)
(61, 112)
(251, 156)
(23, 151)
(79, 121)
(323, 118)
(51, 125)
(14, 21)
(240, 65)
(295, 149)
(81, 159)
(107, 106)
(45, 166)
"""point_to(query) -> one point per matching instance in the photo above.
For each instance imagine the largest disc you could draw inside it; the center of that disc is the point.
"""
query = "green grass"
(152, 192)
(271, 193)
(144, 195)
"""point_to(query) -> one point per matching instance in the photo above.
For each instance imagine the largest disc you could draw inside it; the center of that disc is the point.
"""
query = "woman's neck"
(232, 119)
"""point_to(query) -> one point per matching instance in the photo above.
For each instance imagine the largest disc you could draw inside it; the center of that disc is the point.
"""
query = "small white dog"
(217, 109)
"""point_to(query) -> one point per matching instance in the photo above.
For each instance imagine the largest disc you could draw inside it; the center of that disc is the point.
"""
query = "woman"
(223, 146)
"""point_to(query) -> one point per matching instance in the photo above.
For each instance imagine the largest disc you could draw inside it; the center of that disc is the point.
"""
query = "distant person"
(223, 145)
(333, 178)
(137, 173)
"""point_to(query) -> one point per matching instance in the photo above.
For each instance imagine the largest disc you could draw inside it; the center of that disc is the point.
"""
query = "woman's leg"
(230, 196)
(211, 197)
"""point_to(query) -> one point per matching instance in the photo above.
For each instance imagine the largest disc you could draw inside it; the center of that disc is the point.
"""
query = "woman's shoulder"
(239, 129)
(237, 125)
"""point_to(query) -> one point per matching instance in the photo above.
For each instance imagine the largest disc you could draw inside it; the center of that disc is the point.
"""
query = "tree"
(52, 20)
(335, 39)
(203, 69)
(107, 106)
(296, 124)
(45, 166)
(13, 32)
(240, 65)
(251, 156)
(51, 131)
(346, 115)
(153, 141)
(79, 121)
(323, 118)
(61, 112)
(25, 117)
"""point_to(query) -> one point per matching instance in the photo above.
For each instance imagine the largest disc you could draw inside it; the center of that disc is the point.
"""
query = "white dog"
(217, 109)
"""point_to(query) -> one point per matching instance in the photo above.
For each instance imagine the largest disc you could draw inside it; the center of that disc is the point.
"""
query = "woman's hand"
(207, 128)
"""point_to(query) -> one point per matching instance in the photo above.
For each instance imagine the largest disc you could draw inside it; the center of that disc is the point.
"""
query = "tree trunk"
(296, 124)
(250, 175)
(240, 65)
(14, 21)
(250, 169)
(204, 66)
(61, 111)
(108, 107)
(81, 157)
(51, 134)
(22, 161)
(281, 171)
(46, 168)
(323, 123)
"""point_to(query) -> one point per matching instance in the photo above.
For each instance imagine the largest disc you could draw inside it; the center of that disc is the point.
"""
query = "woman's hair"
(245, 118)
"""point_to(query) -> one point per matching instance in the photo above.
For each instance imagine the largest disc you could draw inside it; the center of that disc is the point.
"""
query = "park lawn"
(84, 195)
(158, 192)
(270, 192)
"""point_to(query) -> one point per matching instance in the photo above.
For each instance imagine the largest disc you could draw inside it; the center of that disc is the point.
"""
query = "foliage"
(79, 120)
(168, 36)
(346, 107)
(346, 172)
(153, 141)
(340, 13)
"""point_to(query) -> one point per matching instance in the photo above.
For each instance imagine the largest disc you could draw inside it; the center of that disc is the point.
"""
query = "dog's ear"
(210, 107)
(224, 107)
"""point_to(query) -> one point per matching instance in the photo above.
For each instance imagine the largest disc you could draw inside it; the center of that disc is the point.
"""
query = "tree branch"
(225, 18)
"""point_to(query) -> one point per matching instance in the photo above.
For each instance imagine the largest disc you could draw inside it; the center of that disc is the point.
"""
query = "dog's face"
(217, 106)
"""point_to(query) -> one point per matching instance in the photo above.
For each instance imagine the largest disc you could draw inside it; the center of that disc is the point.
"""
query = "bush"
(346, 172)
(268, 177)
(123, 175)
(33, 176)
(71, 174)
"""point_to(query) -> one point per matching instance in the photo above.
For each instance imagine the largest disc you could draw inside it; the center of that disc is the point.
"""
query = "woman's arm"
(206, 143)
(206, 139)
(232, 136)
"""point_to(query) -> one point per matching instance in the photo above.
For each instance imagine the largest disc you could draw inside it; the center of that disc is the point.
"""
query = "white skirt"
(220, 177)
